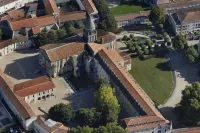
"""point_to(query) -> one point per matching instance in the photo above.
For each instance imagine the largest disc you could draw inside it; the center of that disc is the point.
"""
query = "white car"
(11, 130)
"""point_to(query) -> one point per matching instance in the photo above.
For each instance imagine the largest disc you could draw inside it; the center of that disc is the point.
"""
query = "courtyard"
(128, 8)
(64, 94)
(21, 65)
(154, 76)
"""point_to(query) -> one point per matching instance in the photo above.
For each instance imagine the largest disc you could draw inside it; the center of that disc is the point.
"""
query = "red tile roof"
(137, 93)
(187, 17)
(36, 30)
(89, 6)
(50, 6)
(57, 128)
(187, 130)
(21, 106)
(33, 22)
(78, 15)
(6, 43)
(33, 86)
(62, 51)
(107, 36)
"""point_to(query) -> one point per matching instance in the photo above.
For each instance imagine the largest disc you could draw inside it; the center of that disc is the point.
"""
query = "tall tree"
(61, 112)
(61, 33)
(179, 42)
(157, 15)
(79, 129)
(88, 117)
(42, 38)
(52, 36)
(107, 20)
(191, 54)
(190, 105)
(107, 103)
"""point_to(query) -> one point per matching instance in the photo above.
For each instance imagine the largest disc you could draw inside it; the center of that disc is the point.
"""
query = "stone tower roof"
(89, 24)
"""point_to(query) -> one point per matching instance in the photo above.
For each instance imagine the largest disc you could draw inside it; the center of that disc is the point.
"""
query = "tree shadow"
(164, 66)
(28, 51)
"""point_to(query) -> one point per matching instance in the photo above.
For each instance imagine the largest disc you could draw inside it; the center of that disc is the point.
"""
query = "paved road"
(185, 74)
(193, 42)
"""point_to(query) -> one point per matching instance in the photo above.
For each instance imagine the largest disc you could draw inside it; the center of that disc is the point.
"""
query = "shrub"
(131, 36)
(160, 26)
(146, 51)
(119, 30)
(132, 49)
(139, 52)
(169, 43)
(125, 38)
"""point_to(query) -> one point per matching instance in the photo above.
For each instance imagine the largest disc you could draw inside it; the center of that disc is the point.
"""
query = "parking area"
(63, 94)
(21, 65)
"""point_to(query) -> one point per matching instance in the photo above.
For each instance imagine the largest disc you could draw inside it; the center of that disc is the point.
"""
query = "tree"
(52, 36)
(110, 128)
(1, 34)
(191, 54)
(77, 24)
(61, 33)
(79, 129)
(179, 42)
(107, 103)
(146, 51)
(61, 112)
(190, 105)
(157, 15)
(149, 43)
(42, 38)
(3, 130)
(107, 20)
(87, 117)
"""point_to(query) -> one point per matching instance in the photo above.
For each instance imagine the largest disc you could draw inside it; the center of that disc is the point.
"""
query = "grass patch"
(154, 76)
(128, 8)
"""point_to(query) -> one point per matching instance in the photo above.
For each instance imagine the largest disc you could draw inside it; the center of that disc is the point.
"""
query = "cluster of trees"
(107, 110)
(141, 48)
(102, 119)
(52, 36)
(190, 105)
(61, 112)
(157, 16)
(109, 128)
(180, 42)
(192, 54)
(107, 20)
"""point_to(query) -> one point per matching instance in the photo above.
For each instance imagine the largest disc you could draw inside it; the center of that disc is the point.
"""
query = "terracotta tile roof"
(132, 16)
(125, 55)
(21, 106)
(16, 14)
(32, 22)
(107, 36)
(78, 15)
(179, 3)
(28, 23)
(53, 129)
(187, 17)
(63, 51)
(6, 43)
(50, 6)
(5, 2)
(95, 47)
(36, 30)
(89, 6)
(46, 20)
(187, 130)
(33, 86)
(146, 126)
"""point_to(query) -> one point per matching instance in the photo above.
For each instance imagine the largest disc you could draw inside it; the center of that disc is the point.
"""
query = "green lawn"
(127, 9)
(154, 77)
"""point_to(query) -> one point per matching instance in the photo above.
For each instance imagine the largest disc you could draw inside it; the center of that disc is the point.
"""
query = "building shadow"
(24, 68)
(28, 51)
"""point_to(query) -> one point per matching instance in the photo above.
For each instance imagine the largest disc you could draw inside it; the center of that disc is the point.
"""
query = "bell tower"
(90, 33)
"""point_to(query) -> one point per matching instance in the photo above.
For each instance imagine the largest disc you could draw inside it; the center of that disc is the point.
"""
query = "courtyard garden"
(127, 8)
(154, 76)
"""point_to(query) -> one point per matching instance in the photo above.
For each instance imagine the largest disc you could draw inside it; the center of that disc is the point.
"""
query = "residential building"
(23, 111)
(35, 89)
(178, 4)
(18, 42)
(185, 21)
(133, 18)
(6, 5)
